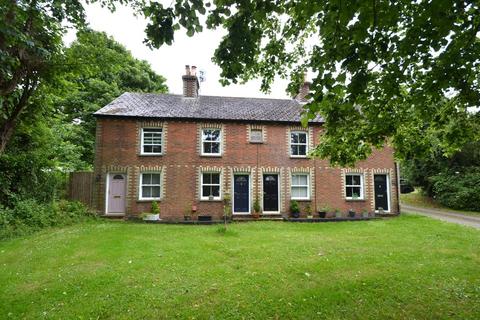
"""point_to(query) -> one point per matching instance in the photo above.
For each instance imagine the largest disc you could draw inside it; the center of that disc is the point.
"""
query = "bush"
(294, 208)
(28, 216)
(458, 190)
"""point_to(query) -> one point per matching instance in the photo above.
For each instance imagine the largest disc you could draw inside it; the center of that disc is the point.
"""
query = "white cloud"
(170, 61)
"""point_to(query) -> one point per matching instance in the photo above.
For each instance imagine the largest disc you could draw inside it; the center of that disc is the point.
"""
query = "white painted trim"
(220, 180)
(308, 185)
(249, 192)
(107, 189)
(299, 144)
(141, 142)
(140, 180)
(362, 185)
(220, 137)
(278, 191)
(388, 191)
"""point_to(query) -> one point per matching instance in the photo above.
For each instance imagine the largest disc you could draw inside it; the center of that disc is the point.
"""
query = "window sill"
(299, 157)
(150, 154)
(208, 200)
(148, 200)
(301, 199)
(211, 155)
(354, 200)
(256, 142)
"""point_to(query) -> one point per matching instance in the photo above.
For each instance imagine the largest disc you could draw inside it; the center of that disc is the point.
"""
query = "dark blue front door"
(240, 193)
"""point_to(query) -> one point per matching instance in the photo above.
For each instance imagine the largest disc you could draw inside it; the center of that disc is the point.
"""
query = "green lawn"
(409, 267)
(417, 199)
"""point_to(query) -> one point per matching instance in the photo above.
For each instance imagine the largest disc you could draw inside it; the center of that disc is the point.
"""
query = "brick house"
(187, 151)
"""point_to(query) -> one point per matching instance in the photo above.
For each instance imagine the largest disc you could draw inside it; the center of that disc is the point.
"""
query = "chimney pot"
(190, 82)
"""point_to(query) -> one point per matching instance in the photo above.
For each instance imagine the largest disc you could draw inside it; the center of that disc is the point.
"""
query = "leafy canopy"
(384, 71)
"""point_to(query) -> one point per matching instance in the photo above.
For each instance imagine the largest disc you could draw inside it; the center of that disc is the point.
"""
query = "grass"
(417, 199)
(410, 267)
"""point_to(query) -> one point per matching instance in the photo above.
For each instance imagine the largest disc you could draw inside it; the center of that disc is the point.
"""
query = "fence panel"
(81, 187)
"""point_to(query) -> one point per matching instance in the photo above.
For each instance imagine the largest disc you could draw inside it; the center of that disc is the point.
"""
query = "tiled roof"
(150, 105)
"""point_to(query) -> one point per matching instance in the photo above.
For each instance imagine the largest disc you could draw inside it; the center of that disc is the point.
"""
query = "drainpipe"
(397, 171)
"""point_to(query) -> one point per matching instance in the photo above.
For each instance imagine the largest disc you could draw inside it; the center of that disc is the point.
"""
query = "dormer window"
(298, 144)
(211, 142)
(152, 141)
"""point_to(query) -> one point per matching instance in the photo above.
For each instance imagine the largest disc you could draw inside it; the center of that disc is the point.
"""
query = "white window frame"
(202, 141)
(298, 143)
(361, 197)
(211, 184)
(142, 144)
(140, 185)
(302, 186)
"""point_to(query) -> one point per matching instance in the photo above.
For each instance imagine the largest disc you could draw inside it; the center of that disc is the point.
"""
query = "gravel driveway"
(445, 216)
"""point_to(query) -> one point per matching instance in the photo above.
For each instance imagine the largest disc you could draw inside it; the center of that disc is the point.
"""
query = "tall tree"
(384, 71)
(30, 48)
(98, 70)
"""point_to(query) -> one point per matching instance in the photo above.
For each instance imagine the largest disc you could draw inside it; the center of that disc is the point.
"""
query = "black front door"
(240, 193)
(381, 191)
(270, 192)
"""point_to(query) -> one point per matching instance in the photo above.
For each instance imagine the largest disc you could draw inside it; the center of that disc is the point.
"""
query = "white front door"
(116, 193)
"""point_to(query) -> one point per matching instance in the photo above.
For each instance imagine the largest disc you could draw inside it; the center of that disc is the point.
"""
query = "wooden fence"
(80, 187)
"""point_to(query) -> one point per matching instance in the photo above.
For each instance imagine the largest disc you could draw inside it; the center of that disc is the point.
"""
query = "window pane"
(206, 191)
(302, 150)
(207, 178)
(301, 179)
(147, 149)
(294, 150)
(158, 130)
(256, 135)
(216, 191)
(348, 180)
(302, 137)
(356, 192)
(299, 192)
(349, 192)
(146, 192)
(215, 178)
(356, 180)
(146, 178)
(155, 178)
(207, 147)
(294, 138)
(156, 192)
(211, 135)
(157, 149)
(215, 147)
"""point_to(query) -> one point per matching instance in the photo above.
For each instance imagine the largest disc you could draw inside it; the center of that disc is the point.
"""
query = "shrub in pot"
(322, 213)
(187, 214)
(308, 211)
(338, 213)
(365, 213)
(351, 213)
(294, 209)
(154, 214)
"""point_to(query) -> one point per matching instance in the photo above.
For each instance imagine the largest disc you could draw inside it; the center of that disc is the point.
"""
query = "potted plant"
(308, 211)
(322, 213)
(351, 213)
(365, 213)
(154, 214)
(294, 209)
(256, 209)
(338, 213)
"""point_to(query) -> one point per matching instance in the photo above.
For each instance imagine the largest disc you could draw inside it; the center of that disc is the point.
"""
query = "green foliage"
(294, 208)
(28, 216)
(155, 209)
(308, 209)
(385, 72)
(256, 206)
(458, 190)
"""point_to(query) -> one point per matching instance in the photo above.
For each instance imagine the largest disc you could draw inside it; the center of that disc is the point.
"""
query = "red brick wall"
(118, 151)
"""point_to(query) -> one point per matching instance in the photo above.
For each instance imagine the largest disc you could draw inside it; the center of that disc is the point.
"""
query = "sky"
(170, 61)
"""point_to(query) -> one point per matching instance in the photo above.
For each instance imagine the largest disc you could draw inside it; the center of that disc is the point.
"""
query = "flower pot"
(255, 215)
(187, 218)
(322, 214)
(365, 215)
(151, 217)
(296, 215)
(338, 214)
(309, 216)
(351, 213)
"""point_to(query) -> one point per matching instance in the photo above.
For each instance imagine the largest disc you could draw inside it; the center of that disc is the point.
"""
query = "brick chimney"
(304, 90)
(190, 82)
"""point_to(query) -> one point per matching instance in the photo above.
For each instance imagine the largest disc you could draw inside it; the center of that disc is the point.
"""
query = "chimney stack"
(190, 82)
(304, 90)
